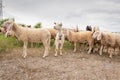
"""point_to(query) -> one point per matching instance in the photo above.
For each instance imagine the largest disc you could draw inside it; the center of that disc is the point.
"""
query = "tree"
(21, 24)
(38, 25)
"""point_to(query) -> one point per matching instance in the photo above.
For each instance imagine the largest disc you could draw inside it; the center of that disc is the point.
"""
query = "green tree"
(38, 25)
(21, 24)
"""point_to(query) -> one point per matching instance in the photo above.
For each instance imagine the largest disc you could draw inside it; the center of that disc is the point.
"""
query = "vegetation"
(23, 25)
(38, 25)
(8, 43)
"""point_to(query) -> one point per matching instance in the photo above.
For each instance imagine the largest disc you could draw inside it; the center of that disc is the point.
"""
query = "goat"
(29, 35)
(59, 39)
(81, 37)
(108, 39)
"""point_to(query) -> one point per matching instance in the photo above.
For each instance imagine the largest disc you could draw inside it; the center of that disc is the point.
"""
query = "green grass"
(68, 45)
(8, 43)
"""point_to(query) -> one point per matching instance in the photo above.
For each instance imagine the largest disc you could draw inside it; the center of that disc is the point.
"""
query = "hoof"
(45, 56)
(88, 52)
(61, 54)
(110, 56)
(100, 53)
(55, 55)
(23, 56)
(74, 51)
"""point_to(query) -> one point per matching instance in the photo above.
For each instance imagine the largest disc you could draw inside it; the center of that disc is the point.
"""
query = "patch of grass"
(68, 45)
(52, 42)
(8, 43)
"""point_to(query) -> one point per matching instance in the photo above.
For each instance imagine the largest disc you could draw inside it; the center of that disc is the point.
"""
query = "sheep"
(108, 39)
(29, 35)
(96, 42)
(81, 37)
(117, 42)
(59, 39)
(66, 29)
(53, 32)
(88, 28)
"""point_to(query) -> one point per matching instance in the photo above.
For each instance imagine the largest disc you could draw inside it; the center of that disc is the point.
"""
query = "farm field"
(69, 66)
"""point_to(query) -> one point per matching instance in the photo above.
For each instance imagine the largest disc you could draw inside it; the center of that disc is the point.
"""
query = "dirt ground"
(69, 66)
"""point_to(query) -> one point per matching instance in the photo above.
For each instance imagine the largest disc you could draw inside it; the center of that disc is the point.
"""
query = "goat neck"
(17, 30)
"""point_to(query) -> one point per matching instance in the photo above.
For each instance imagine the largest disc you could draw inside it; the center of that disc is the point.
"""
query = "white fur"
(29, 35)
(59, 39)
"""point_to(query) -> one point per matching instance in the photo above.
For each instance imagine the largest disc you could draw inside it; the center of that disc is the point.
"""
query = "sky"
(71, 13)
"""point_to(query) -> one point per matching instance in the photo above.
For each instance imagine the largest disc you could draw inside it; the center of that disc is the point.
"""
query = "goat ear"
(55, 23)
(13, 26)
(99, 37)
(60, 24)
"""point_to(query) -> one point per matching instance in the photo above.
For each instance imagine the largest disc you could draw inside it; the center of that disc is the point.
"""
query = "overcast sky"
(102, 13)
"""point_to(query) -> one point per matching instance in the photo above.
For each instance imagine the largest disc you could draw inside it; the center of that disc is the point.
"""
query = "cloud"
(103, 13)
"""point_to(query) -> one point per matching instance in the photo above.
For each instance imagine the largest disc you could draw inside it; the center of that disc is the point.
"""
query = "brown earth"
(69, 66)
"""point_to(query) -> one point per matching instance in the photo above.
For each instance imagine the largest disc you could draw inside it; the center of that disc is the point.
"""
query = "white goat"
(59, 39)
(81, 37)
(108, 39)
(28, 35)
(96, 29)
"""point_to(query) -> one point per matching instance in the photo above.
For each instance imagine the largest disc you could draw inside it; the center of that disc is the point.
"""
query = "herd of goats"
(43, 35)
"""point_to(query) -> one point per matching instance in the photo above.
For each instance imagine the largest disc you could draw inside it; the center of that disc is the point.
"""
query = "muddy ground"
(69, 66)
